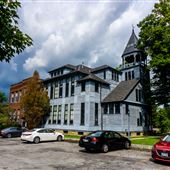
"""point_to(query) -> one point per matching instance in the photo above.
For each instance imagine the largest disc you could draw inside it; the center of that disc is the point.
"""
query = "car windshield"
(95, 134)
(166, 138)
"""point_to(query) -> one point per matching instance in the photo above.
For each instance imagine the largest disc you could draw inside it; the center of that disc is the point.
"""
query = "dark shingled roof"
(102, 68)
(83, 69)
(93, 77)
(131, 45)
(65, 66)
(121, 92)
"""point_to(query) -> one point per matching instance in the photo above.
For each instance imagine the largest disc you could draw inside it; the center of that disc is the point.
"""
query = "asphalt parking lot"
(16, 155)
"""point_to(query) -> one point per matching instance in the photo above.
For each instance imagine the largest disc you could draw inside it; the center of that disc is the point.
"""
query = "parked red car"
(161, 150)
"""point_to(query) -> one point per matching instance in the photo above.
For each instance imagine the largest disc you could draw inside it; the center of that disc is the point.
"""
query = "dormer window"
(138, 95)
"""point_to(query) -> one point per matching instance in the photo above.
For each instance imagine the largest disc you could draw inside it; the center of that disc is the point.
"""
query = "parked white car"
(42, 134)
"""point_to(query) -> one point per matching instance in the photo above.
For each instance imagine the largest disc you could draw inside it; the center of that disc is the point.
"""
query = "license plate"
(164, 154)
(85, 140)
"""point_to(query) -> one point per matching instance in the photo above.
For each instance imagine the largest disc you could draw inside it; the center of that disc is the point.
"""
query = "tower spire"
(131, 45)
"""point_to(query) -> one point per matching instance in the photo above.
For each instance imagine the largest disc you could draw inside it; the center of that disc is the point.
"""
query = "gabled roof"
(121, 92)
(83, 68)
(94, 78)
(132, 44)
(72, 67)
(103, 67)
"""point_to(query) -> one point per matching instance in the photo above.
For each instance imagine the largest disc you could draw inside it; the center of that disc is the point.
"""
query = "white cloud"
(75, 32)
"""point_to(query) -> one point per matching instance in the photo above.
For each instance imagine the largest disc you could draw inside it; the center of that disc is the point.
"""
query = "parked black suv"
(104, 141)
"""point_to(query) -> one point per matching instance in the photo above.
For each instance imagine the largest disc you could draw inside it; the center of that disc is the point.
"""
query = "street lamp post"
(101, 107)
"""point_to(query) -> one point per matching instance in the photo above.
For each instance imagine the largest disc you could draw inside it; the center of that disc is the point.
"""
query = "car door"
(42, 134)
(117, 140)
(13, 131)
(18, 132)
(108, 139)
(51, 134)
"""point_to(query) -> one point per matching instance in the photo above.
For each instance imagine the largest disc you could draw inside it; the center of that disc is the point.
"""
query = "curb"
(147, 148)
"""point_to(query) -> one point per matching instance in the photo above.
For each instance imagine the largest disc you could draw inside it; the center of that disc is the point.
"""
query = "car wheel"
(127, 145)
(59, 138)
(9, 135)
(105, 148)
(36, 140)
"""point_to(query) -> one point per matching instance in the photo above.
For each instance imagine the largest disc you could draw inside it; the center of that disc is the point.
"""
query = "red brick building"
(16, 90)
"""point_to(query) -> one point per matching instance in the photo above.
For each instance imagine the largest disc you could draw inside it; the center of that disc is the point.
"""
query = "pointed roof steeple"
(132, 43)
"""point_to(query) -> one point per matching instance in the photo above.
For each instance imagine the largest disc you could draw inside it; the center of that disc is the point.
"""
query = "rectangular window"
(71, 113)
(111, 108)
(72, 87)
(96, 115)
(51, 91)
(140, 118)
(117, 77)
(104, 74)
(113, 75)
(117, 108)
(56, 91)
(67, 89)
(138, 95)
(17, 96)
(137, 98)
(66, 114)
(59, 115)
(105, 109)
(127, 109)
(133, 76)
(129, 75)
(96, 87)
(12, 98)
(82, 116)
(54, 114)
(126, 76)
(83, 86)
(60, 90)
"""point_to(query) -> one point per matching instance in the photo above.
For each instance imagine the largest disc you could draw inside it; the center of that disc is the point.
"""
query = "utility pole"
(128, 124)
(101, 106)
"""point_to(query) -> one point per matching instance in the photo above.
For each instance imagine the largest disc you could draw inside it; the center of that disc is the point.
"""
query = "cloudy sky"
(94, 32)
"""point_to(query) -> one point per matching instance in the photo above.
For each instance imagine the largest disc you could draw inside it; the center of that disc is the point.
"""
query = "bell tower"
(134, 61)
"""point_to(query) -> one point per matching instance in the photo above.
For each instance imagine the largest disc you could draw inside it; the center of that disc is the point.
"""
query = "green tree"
(162, 119)
(34, 102)
(12, 40)
(5, 111)
(154, 39)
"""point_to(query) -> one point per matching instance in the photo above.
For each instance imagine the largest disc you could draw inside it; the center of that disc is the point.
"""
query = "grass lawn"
(142, 140)
(72, 136)
(145, 140)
